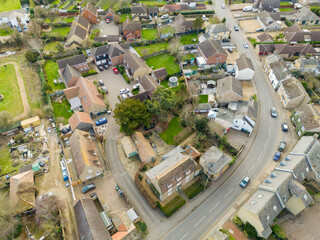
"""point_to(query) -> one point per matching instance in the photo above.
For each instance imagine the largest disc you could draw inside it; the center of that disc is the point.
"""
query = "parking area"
(106, 28)
(250, 25)
(237, 138)
(232, 57)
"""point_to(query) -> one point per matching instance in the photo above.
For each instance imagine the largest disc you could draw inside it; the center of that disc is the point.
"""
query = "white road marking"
(56, 182)
(260, 156)
(251, 168)
(269, 131)
(214, 206)
(184, 236)
(199, 221)
(265, 144)
(228, 192)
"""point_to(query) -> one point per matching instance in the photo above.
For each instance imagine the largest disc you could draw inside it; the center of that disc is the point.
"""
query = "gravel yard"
(250, 25)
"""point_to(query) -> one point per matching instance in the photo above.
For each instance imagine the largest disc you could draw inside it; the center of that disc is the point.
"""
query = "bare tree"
(174, 48)
(39, 12)
(7, 221)
(35, 29)
(5, 118)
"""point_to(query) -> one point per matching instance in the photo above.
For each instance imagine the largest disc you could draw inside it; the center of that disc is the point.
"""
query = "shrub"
(250, 230)
(89, 73)
(304, 84)
(31, 56)
(278, 231)
(233, 160)
(15, 163)
(237, 221)
(172, 206)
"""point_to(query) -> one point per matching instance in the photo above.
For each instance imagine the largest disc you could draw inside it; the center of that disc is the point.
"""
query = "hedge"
(194, 189)
(197, 12)
(172, 206)
(278, 231)
(91, 72)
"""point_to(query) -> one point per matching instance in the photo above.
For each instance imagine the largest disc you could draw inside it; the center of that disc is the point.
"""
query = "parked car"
(277, 156)
(106, 66)
(101, 121)
(245, 45)
(282, 146)
(225, 40)
(124, 96)
(152, 125)
(124, 90)
(66, 130)
(236, 28)
(129, 94)
(115, 70)
(100, 68)
(101, 83)
(223, 6)
(244, 182)
(104, 88)
(136, 86)
(165, 16)
(88, 188)
(107, 20)
(259, 30)
(284, 127)
(46, 195)
(273, 112)
(230, 50)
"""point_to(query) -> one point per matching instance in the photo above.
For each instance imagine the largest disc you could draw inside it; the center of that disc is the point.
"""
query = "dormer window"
(178, 179)
(169, 185)
(188, 172)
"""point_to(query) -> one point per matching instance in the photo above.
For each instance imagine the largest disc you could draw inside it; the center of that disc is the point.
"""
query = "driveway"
(250, 25)
(106, 28)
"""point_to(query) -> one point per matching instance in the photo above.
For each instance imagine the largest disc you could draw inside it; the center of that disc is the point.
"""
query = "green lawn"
(167, 29)
(154, 3)
(174, 89)
(94, 34)
(62, 111)
(173, 129)
(123, 17)
(157, 47)
(51, 68)
(286, 9)
(4, 32)
(5, 160)
(164, 60)
(187, 39)
(284, 3)
(189, 56)
(62, 31)
(8, 5)
(149, 34)
(172, 206)
(51, 47)
(68, 20)
(63, 5)
(10, 90)
(194, 189)
(203, 99)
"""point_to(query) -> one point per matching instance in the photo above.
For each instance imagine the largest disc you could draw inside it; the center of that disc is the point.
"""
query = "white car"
(165, 16)
(124, 90)
(245, 45)
(124, 96)
(136, 86)
(223, 6)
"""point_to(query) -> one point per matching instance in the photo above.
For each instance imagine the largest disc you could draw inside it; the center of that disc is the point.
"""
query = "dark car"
(152, 125)
(282, 146)
(106, 66)
(101, 121)
(259, 30)
(244, 182)
(100, 68)
(284, 127)
(88, 188)
(277, 156)
(225, 40)
(230, 50)
(101, 83)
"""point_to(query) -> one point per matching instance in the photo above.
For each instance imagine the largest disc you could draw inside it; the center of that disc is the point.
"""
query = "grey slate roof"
(90, 7)
(153, 10)
(309, 117)
(99, 51)
(218, 28)
(112, 38)
(211, 47)
(304, 14)
(215, 159)
(134, 62)
(293, 88)
(160, 73)
(115, 50)
(129, 25)
(279, 69)
(100, 39)
(74, 60)
(139, 8)
(243, 62)
(78, 31)
(69, 72)
(149, 84)
(82, 21)
(228, 85)
(265, 37)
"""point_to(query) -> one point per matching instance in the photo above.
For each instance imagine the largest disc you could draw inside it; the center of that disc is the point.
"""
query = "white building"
(243, 68)
(15, 19)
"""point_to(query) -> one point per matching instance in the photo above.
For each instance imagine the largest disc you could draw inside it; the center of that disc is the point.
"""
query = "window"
(303, 129)
(188, 172)
(89, 16)
(275, 208)
(169, 191)
(169, 185)
(81, 69)
(299, 133)
(187, 178)
(178, 179)
(285, 198)
(305, 197)
(307, 169)
(299, 120)
(86, 68)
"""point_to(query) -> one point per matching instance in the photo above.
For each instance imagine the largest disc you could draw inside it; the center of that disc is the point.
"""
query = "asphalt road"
(267, 139)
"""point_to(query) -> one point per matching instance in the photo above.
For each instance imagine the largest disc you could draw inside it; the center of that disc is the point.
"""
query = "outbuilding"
(31, 122)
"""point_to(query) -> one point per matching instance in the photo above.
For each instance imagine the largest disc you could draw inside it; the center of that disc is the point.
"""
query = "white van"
(247, 9)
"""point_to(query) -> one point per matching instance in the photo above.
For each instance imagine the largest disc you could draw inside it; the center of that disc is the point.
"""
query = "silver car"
(245, 45)
(244, 182)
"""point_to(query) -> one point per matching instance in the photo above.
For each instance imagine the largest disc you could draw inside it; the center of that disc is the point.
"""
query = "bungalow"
(85, 157)
(130, 30)
(265, 49)
(278, 72)
(115, 54)
(147, 83)
(110, 14)
(79, 31)
(308, 65)
(181, 24)
(296, 34)
(306, 120)
(299, 49)
(292, 94)
(269, 22)
(81, 121)
(90, 12)
(244, 69)
(212, 52)
(78, 61)
(170, 175)
(265, 38)
(144, 148)
(304, 17)
(139, 12)
(70, 76)
(218, 31)
(229, 89)
(17, 19)
(135, 67)
(214, 162)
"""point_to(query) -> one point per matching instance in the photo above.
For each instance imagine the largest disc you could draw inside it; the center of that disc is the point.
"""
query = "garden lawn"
(286, 9)
(123, 17)
(8, 5)
(173, 129)
(51, 47)
(194, 189)
(62, 31)
(203, 99)
(51, 68)
(5, 160)
(187, 39)
(62, 111)
(9, 88)
(3, 32)
(172, 206)
(154, 3)
(164, 60)
(174, 89)
(151, 48)
(149, 34)
(68, 20)
(284, 3)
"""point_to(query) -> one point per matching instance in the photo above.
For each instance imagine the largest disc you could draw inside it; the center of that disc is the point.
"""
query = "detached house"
(299, 49)
(135, 67)
(296, 34)
(212, 52)
(153, 12)
(79, 62)
(229, 90)
(79, 31)
(181, 24)
(90, 12)
(139, 12)
(130, 30)
(244, 68)
(110, 14)
(85, 156)
(218, 31)
(214, 162)
(170, 175)
(304, 17)
(308, 65)
(278, 71)
(269, 22)
(292, 94)
(116, 54)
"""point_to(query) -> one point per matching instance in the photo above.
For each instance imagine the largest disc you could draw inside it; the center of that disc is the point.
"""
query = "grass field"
(4, 32)
(149, 34)
(284, 3)
(51, 68)
(203, 99)
(62, 111)
(62, 31)
(123, 17)
(164, 60)
(173, 129)
(151, 48)
(187, 39)
(9, 88)
(51, 47)
(154, 3)
(8, 5)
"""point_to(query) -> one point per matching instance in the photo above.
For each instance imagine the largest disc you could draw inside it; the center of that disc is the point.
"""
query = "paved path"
(23, 93)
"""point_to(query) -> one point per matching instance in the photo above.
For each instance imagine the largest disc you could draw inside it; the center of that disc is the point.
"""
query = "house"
(130, 30)
(306, 120)
(244, 69)
(115, 54)
(128, 146)
(85, 158)
(308, 65)
(139, 12)
(125, 228)
(100, 54)
(304, 17)
(147, 83)
(135, 67)
(144, 148)
(268, 22)
(153, 12)
(265, 38)
(79, 31)
(190, 3)
(175, 7)
(268, 60)
(296, 34)
(282, 189)
(159, 74)
(81, 121)
(229, 89)
(278, 72)
(17, 19)
(70, 76)
(298, 49)
(110, 14)
(90, 12)
(192, 152)
(265, 49)
(214, 162)
(218, 31)
(89, 222)
(292, 94)
(212, 52)
(22, 192)
(86, 95)
(270, 5)
(78, 61)
(170, 175)
(181, 24)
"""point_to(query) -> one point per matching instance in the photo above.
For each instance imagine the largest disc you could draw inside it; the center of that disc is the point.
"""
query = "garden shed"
(173, 81)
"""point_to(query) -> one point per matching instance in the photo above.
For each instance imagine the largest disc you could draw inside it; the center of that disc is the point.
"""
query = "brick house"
(110, 14)
(78, 61)
(135, 67)
(130, 30)
(115, 54)
(90, 12)
(212, 52)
